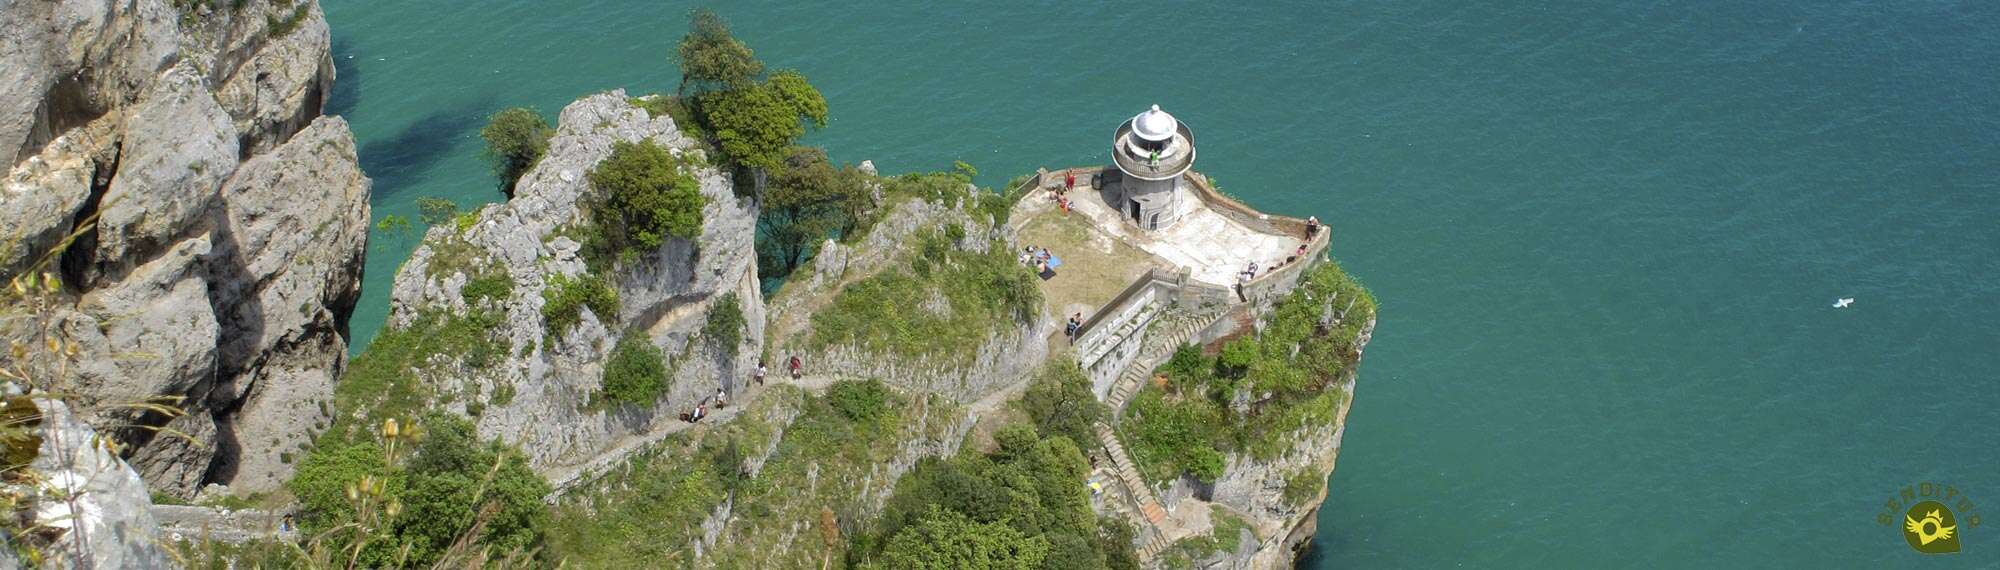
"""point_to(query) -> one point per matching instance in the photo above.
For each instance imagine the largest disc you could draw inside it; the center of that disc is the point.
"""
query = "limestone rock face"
(666, 294)
(214, 221)
(97, 499)
(1010, 355)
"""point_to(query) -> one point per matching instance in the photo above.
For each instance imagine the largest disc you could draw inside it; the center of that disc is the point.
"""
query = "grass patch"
(1287, 378)
(1224, 536)
(887, 313)
(392, 378)
(492, 286)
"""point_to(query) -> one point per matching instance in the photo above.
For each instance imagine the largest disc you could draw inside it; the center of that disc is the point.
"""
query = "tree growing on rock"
(756, 126)
(647, 198)
(710, 58)
(515, 139)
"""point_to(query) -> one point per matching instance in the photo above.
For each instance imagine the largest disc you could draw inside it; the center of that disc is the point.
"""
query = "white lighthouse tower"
(1152, 150)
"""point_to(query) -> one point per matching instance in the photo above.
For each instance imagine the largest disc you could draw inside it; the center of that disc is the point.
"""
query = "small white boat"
(1843, 302)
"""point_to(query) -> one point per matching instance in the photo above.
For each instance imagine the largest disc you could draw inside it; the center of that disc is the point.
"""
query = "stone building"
(1152, 151)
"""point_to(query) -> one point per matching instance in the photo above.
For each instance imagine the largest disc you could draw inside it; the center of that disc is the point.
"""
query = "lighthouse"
(1152, 150)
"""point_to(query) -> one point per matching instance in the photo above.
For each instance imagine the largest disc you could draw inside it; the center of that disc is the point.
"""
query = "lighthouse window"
(1152, 145)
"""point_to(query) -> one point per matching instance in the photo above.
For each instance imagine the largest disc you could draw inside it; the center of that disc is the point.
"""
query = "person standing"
(796, 366)
(1069, 181)
(758, 375)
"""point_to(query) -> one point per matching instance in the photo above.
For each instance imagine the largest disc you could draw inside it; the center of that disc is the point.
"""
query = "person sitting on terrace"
(1312, 226)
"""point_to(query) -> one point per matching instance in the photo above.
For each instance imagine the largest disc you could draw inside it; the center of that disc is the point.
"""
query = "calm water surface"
(1606, 235)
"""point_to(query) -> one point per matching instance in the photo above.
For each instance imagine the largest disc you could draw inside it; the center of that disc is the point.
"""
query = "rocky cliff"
(169, 163)
(538, 394)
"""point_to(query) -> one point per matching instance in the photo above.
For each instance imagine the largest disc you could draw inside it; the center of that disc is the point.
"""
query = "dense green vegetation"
(1022, 506)
(636, 373)
(415, 505)
(565, 297)
(646, 514)
(710, 58)
(516, 138)
(648, 196)
(1254, 396)
(725, 323)
(389, 378)
(492, 286)
(809, 199)
(1059, 402)
(896, 312)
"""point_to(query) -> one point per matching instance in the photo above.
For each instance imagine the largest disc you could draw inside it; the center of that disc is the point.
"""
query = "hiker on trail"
(700, 411)
(796, 365)
(758, 376)
(1250, 272)
(721, 398)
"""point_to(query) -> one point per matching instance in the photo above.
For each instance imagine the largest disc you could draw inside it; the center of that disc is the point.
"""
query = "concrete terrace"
(1202, 240)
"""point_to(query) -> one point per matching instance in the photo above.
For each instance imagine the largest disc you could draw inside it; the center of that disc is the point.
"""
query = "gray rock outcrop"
(95, 501)
(168, 161)
(666, 294)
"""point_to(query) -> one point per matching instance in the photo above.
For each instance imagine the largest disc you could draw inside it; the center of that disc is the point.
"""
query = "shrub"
(725, 322)
(860, 400)
(1303, 485)
(515, 140)
(1030, 492)
(636, 373)
(451, 485)
(491, 286)
(565, 298)
(1060, 403)
(647, 197)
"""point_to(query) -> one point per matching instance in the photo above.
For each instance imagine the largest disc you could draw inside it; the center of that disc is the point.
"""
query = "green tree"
(453, 475)
(711, 58)
(647, 197)
(436, 211)
(515, 139)
(755, 126)
(808, 200)
(636, 374)
(1060, 403)
(947, 540)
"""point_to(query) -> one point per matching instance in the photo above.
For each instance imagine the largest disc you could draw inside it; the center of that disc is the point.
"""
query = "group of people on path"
(1249, 273)
(721, 397)
(1061, 195)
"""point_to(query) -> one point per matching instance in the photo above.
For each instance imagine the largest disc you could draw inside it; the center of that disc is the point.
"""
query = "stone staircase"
(1173, 332)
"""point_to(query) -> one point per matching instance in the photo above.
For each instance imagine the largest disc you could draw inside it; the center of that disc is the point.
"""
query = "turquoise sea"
(1607, 236)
